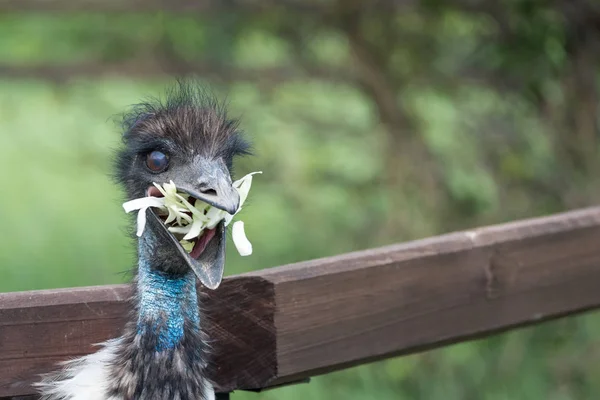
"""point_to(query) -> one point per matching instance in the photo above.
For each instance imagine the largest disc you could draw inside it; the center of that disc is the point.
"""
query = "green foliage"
(332, 181)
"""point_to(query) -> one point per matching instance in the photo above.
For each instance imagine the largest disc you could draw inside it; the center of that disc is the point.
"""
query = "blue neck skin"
(166, 302)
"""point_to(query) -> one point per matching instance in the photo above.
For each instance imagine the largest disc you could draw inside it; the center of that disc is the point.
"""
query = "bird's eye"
(157, 161)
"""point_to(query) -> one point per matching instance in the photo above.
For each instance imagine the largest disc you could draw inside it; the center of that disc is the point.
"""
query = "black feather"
(188, 121)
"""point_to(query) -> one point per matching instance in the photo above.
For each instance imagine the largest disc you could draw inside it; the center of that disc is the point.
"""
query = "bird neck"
(162, 353)
(167, 302)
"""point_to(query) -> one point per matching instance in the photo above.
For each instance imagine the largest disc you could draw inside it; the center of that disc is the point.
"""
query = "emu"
(163, 352)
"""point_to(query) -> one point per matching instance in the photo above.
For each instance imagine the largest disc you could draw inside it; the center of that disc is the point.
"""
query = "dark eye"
(157, 161)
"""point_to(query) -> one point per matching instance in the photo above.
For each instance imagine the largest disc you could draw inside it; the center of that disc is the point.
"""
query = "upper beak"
(209, 181)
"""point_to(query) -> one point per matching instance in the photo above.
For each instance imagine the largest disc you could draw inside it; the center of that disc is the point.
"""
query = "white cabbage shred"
(183, 218)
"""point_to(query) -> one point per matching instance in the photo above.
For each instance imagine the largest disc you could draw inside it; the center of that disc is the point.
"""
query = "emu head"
(187, 139)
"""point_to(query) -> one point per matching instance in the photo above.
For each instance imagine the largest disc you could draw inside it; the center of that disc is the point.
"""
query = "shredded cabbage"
(190, 221)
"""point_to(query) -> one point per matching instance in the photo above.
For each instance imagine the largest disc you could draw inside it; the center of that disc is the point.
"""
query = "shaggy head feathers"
(188, 122)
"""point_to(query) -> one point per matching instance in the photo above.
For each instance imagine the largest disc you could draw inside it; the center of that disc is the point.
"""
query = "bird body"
(163, 352)
(86, 378)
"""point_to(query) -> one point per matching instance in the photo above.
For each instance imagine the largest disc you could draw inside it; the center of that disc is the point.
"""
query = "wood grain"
(288, 323)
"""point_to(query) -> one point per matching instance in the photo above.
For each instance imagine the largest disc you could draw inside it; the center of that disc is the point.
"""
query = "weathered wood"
(39, 329)
(287, 323)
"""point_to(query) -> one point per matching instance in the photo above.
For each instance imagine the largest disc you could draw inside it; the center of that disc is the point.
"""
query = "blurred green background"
(374, 122)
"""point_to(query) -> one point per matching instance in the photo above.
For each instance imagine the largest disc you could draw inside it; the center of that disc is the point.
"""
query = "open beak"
(208, 181)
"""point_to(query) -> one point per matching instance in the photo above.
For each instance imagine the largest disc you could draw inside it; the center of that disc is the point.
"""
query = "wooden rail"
(288, 323)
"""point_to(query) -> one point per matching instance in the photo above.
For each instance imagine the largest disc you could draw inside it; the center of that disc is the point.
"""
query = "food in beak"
(191, 220)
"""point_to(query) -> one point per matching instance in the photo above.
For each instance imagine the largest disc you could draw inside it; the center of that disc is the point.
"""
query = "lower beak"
(209, 266)
(210, 182)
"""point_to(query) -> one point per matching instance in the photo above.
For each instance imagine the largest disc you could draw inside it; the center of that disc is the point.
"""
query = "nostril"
(209, 191)
(205, 187)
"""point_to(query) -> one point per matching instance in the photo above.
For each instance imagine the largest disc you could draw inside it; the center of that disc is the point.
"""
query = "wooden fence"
(285, 324)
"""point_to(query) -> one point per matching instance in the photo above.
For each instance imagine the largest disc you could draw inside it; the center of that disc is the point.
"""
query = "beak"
(208, 181)
(209, 267)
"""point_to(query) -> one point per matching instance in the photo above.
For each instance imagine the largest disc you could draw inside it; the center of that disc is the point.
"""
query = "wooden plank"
(40, 328)
(350, 309)
(287, 323)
